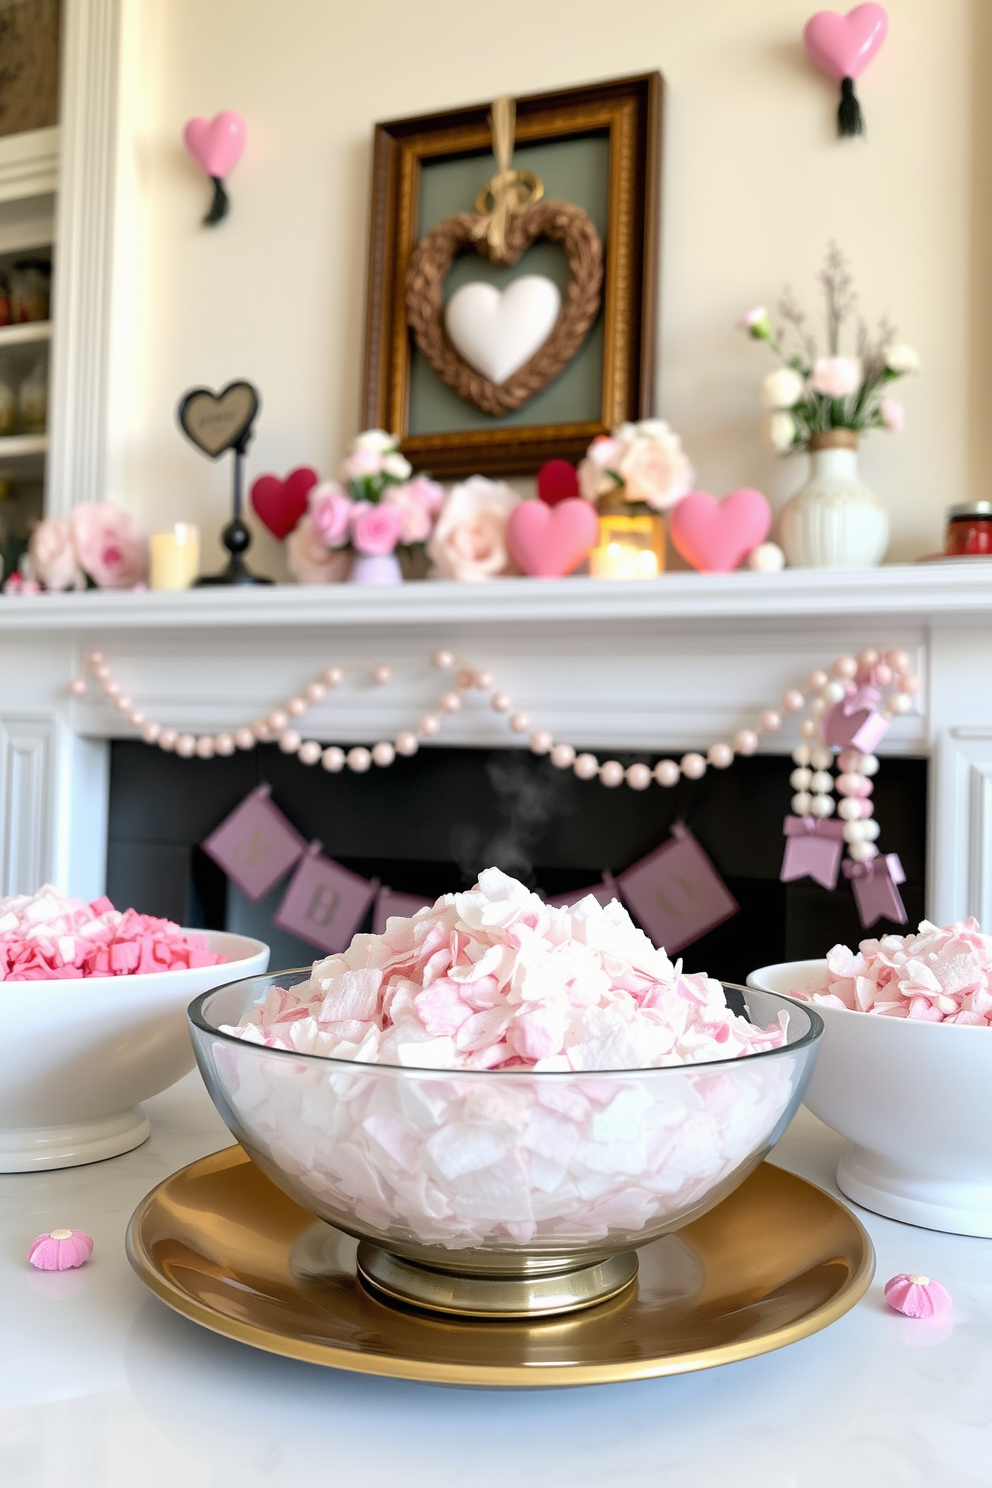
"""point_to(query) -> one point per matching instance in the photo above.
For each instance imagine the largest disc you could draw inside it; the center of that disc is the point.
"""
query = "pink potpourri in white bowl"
(938, 975)
(48, 936)
(502, 1088)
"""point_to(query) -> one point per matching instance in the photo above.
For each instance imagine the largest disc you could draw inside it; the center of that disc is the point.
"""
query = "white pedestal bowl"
(79, 1055)
(913, 1097)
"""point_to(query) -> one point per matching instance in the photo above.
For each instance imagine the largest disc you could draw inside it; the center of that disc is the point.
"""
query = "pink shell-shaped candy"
(60, 1250)
(916, 1296)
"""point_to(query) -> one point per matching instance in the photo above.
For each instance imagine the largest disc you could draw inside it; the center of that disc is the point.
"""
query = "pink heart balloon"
(549, 541)
(843, 45)
(716, 536)
(216, 143)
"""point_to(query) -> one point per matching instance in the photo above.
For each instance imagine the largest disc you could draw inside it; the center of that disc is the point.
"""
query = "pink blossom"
(605, 452)
(469, 539)
(836, 377)
(420, 501)
(330, 513)
(109, 545)
(308, 558)
(375, 530)
(361, 463)
(893, 414)
(427, 492)
(656, 470)
(53, 558)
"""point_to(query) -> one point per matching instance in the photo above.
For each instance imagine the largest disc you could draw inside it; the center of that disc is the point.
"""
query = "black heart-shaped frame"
(216, 422)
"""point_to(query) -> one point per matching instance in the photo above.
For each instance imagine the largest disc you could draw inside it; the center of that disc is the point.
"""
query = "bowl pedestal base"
(886, 1187)
(537, 1294)
(33, 1149)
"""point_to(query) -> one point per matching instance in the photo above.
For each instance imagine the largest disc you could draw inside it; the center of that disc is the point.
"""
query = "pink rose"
(469, 539)
(53, 558)
(656, 469)
(836, 377)
(360, 463)
(605, 452)
(309, 560)
(330, 513)
(893, 414)
(109, 545)
(417, 520)
(427, 493)
(375, 530)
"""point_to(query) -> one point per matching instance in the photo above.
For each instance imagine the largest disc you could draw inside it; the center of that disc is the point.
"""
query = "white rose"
(900, 359)
(375, 439)
(782, 388)
(836, 376)
(779, 432)
(469, 537)
(655, 468)
(396, 465)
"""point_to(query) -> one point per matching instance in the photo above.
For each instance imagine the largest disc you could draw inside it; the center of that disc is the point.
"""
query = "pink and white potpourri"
(47, 936)
(917, 1296)
(938, 975)
(60, 1250)
(484, 1005)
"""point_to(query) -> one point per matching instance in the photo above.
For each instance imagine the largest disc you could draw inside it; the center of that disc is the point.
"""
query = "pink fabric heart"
(716, 536)
(843, 45)
(549, 541)
(216, 143)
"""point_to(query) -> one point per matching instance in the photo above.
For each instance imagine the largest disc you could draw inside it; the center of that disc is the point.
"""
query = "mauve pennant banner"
(388, 903)
(605, 892)
(255, 845)
(676, 893)
(875, 891)
(324, 903)
(813, 849)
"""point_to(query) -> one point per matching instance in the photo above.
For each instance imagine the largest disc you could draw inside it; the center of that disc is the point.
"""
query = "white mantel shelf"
(919, 590)
(651, 666)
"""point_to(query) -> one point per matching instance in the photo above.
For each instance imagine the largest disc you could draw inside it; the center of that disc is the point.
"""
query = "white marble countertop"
(101, 1386)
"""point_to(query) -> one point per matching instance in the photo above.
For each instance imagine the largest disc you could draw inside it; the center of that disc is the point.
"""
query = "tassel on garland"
(849, 117)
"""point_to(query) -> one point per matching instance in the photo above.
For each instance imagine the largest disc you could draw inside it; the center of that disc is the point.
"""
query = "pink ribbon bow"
(875, 892)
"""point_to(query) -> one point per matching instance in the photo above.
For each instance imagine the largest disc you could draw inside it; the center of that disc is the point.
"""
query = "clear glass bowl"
(500, 1192)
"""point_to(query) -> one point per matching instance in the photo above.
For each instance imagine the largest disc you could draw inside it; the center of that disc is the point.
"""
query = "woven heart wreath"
(517, 218)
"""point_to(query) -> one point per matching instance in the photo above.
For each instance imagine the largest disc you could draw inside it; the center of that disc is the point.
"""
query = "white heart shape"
(496, 331)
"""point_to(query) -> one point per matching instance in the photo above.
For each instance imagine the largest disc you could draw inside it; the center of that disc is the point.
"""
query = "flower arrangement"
(810, 394)
(376, 506)
(642, 464)
(469, 541)
(97, 546)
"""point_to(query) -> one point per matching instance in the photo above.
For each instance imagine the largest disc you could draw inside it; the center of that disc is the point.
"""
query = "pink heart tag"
(716, 536)
(549, 541)
(216, 144)
(843, 45)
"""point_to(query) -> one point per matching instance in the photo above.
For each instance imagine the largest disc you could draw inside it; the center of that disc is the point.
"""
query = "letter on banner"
(255, 845)
(676, 893)
(324, 903)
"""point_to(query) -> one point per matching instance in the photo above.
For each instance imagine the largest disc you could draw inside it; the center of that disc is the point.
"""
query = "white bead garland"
(810, 780)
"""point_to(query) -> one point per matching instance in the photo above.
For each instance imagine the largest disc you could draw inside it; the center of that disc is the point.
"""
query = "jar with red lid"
(969, 529)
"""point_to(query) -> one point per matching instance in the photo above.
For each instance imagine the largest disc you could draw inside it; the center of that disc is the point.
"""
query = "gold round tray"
(777, 1260)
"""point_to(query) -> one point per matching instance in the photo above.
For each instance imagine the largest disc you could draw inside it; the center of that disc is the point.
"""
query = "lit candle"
(630, 546)
(174, 557)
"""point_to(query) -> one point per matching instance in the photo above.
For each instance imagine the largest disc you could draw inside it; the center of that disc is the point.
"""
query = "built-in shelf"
(23, 455)
(32, 330)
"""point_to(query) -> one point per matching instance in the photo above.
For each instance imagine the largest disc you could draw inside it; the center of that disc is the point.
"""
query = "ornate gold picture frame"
(597, 146)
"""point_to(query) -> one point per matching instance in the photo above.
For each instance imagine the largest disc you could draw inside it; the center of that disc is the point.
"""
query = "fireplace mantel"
(653, 665)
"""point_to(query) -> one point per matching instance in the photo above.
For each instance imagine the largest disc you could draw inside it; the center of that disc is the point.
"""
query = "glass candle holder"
(174, 557)
(631, 541)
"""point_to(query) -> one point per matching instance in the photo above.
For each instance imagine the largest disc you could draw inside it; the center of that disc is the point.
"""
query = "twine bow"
(508, 190)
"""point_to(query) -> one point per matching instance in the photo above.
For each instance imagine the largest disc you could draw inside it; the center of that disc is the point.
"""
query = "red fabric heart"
(280, 504)
(557, 480)
(548, 542)
(716, 536)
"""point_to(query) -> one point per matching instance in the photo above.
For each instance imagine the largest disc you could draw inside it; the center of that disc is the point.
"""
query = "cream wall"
(755, 184)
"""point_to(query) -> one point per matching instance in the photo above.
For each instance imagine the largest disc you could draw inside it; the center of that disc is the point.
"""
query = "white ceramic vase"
(834, 520)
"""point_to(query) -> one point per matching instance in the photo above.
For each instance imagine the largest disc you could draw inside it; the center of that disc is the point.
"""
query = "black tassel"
(220, 204)
(849, 120)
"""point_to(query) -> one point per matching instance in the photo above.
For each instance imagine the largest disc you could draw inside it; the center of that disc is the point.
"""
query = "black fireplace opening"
(427, 825)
